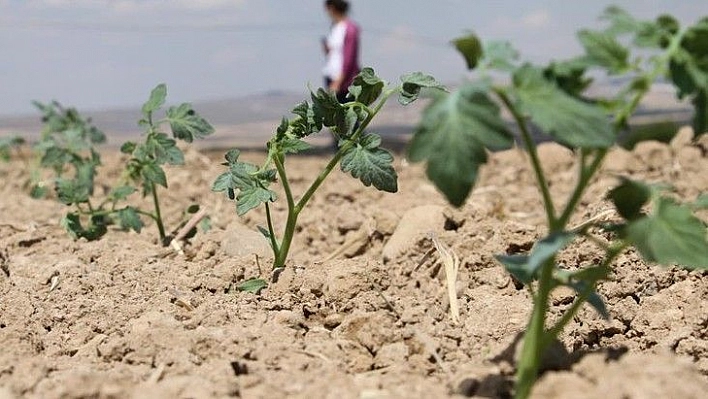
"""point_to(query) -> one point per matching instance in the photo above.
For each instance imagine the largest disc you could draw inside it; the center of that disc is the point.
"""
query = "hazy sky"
(105, 53)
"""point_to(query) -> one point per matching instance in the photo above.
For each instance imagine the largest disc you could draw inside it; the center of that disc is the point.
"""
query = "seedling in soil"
(68, 140)
(458, 128)
(358, 153)
(8, 145)
(145, 166)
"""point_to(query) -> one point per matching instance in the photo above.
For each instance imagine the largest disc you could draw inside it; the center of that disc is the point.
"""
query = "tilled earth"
(361, 311)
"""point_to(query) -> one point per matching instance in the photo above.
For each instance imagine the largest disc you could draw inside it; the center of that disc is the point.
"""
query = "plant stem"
(584, 176)
(158, 214)
(273, 242)
(534, 338)
(535, 161)
(281, 253)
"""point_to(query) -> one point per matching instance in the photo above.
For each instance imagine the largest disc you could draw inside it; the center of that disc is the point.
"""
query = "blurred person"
(341, 49)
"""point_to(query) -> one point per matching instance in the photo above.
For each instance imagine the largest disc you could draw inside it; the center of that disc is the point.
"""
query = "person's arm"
(349, 54)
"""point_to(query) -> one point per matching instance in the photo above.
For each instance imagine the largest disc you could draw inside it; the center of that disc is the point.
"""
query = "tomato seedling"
(458, 128)
(358, 152)
(68, 142)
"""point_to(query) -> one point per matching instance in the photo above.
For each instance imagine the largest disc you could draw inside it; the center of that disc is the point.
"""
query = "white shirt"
(335, 55)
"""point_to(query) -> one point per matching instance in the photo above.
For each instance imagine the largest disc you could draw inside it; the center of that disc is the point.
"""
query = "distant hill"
(250, 120)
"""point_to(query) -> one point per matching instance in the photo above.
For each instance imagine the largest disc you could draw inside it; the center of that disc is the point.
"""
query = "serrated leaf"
(603, 49)
(453, 137)
(153, 173)
(121, 192)
(629, 197)
(129, 219)
(222, 183)
(251, 197)
(187, 124)
(569, 121)
(669, 235)
(371, 164)
(366, 86)
(293, 146)
(71, 191)
(413, 83)
(309, 121)
(526, 267)
(471, 49)
(254, 285)
(328, 107)
(156, 100)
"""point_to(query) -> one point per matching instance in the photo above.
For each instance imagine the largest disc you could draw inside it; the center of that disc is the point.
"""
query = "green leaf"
(293, 146)
(72, 191)
(309, 121)
(128, 147)
(500, 55)
(129, 219)
(526, 268)
(471, 49)
(701, 202)
(593, 298)
(629, 198)
(254, 285)
(71, 222)
(251, 197)
(187, 124)
(371, 164)
(153, 173)
(156, 100)
(413, 83)
(366, 86)
(604, 50)
(582, 279)
(569, 121)
(453, 136)
(121, 192)
(328, 107)
(222, 183)
(669, 235)
(569, 76)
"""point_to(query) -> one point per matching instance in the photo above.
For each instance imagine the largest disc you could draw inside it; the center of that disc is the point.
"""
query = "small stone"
(332, 321)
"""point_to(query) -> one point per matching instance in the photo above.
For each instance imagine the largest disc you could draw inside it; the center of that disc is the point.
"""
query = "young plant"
(8, 144)
(68, 140)
(145, 166)
(359, 152)
(458, 128)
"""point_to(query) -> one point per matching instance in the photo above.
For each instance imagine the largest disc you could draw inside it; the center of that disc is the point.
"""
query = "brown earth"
(125, 318)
